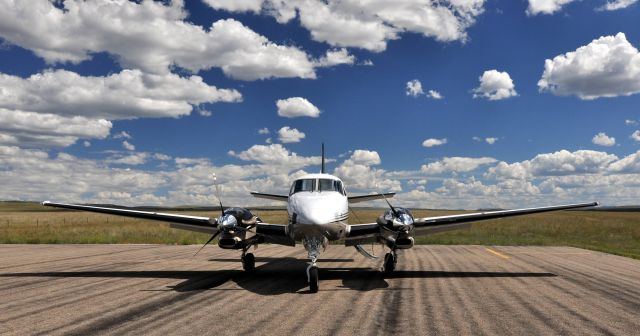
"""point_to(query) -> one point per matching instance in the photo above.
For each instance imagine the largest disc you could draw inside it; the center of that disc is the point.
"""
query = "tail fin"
(322, 168)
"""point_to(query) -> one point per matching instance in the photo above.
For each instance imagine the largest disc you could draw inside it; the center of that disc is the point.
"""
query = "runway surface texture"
(444, 290)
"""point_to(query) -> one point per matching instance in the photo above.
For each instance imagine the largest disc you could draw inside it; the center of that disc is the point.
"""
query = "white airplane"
(318, 209)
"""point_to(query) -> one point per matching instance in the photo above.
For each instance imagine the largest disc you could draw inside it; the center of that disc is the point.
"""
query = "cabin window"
(304, 185)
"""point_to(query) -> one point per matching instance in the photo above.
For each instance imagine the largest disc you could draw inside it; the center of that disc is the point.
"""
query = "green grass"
(612, 232)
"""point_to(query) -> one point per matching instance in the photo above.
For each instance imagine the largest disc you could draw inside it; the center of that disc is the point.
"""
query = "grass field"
(612, 232)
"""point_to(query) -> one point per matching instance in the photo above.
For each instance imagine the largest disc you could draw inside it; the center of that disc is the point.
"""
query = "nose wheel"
(312, 275)
(248, 262)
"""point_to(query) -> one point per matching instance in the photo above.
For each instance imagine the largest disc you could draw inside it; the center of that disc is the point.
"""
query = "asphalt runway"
(438, 290)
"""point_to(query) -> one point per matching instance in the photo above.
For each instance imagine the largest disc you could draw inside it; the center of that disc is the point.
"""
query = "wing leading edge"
(273, 233)
(364, 198)
(430, 225)
(159, 216)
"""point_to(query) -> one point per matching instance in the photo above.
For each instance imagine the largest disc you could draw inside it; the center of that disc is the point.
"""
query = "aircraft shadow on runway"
(281, 276)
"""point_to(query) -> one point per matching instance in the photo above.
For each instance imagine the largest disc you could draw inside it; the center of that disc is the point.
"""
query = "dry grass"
(612, 232)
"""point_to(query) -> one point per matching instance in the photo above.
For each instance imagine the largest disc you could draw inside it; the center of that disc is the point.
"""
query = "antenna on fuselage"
(322, 168)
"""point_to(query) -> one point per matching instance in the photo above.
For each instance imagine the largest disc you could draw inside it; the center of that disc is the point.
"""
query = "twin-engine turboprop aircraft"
(318, 208)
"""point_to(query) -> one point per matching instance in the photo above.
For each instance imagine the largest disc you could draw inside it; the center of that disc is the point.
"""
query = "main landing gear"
(248, 261)
(390, 260)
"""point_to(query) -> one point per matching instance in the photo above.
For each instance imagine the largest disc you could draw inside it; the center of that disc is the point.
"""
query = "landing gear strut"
(390, 260)
(313, 246)
(248, 261)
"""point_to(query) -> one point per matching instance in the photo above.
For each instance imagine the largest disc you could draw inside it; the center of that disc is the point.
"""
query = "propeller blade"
(208, 241)
(215, 184)
(395, 213)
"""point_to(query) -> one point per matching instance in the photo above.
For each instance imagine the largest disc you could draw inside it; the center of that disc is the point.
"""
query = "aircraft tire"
(389, 263)
(249, 262)
(313, 280)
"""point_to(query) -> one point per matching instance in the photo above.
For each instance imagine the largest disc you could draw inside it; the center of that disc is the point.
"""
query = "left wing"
(359, 233)
(364, 198)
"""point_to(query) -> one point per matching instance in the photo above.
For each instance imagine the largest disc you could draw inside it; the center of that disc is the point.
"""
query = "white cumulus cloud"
(546, 6)
(129, 94)
(358, 174)
(369, 24)
(555, 164)
(57, 107)
(365, 157)
(276, 155)
(335, 57)
(617, 4)
(31, 129)
(128, 146)
(602, 139)
(434, 94)
(495, 85)
(455, 164)
(414, 88)
(434, 142)
(607, 67)
(296, 107)
(290, 135)
(122, 135)
(636, 135)
(74, 30)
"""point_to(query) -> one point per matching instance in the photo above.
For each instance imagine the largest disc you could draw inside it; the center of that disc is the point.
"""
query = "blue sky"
(152, 98)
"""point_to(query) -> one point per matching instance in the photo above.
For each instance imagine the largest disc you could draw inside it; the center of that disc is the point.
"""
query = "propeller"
(208, 241)
(395, 212)
(218, 221)
(215, 184)
(403, 218)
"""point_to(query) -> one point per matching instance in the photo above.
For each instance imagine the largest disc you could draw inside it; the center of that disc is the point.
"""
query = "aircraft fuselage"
(317, 207)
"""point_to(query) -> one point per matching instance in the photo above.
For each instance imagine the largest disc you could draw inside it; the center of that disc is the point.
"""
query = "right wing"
(185, 222)
(272, 233)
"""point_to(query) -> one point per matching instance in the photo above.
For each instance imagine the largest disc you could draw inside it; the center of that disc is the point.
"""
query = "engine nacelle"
(232, 242)
(400, 220)
(404, 242)
(236, 219)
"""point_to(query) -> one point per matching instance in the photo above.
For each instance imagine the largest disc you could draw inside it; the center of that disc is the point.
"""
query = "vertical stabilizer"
(322, 168)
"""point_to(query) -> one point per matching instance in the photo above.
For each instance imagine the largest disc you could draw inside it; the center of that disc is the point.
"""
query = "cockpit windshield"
(330, 185)
(317, 185)
(304, 185)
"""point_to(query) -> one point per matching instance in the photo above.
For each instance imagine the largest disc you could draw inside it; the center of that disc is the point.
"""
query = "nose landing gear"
(312, 277)
(313, 246)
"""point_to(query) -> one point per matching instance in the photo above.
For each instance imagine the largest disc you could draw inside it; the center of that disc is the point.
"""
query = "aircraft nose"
(315, 215)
